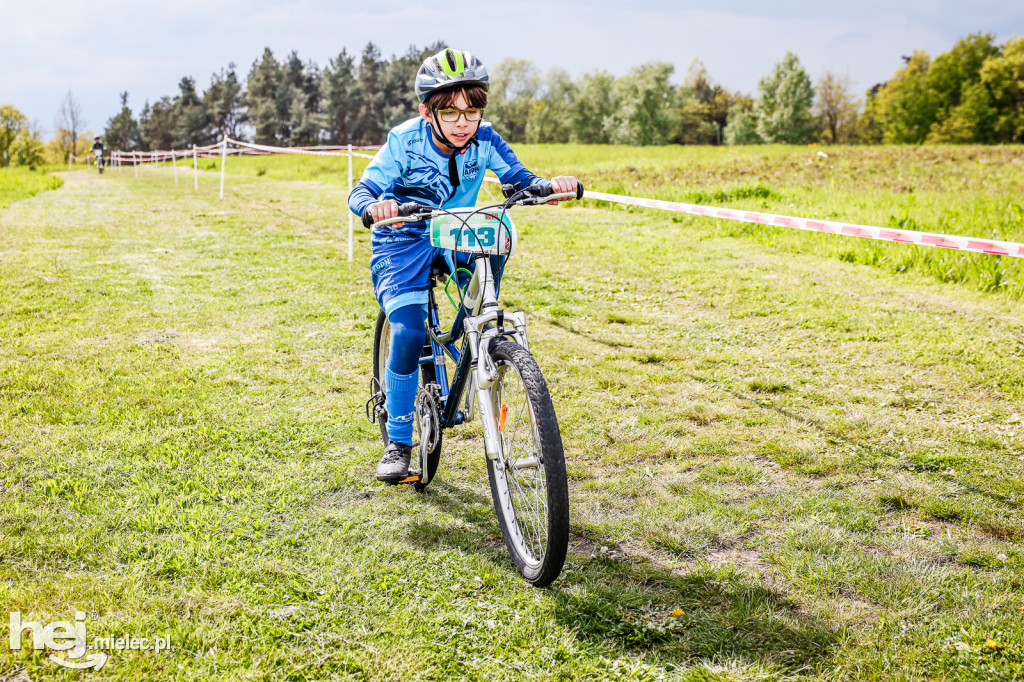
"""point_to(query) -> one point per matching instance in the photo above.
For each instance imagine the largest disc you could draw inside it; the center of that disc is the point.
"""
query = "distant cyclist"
(437, 158)
(98, 148)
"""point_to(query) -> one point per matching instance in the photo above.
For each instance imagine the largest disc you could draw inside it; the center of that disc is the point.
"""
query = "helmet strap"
(453, 171)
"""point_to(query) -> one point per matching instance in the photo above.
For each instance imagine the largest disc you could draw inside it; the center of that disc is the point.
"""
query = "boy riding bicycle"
(98, 148)
(438, 159)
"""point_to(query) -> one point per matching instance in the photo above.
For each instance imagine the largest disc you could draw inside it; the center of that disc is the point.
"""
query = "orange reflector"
(411, 479)
(503, 417)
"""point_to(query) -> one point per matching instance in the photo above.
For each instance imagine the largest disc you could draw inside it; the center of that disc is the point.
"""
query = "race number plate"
(485, 232)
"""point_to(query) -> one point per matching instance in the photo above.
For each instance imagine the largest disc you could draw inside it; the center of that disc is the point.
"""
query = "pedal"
(410, 479)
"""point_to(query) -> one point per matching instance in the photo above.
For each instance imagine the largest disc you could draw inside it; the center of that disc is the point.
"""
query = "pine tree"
(223, 100)
(367, 126)
(158, 123)
(123, 131)
(191, 118)
(264, 78)
(339, 99)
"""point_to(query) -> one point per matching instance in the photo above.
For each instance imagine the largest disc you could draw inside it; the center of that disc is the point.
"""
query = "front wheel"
(528, 483)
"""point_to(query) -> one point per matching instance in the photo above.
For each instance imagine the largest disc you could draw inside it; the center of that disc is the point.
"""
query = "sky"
(98, 49)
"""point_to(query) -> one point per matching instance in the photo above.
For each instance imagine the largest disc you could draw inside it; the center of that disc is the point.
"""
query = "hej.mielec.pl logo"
(71, 637)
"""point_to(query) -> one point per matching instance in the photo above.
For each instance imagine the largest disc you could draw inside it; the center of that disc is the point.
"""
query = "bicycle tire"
(381, 350)
(531, 493)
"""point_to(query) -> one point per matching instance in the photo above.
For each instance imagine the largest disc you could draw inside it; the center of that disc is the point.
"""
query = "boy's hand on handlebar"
(389, 209)
(562, 184)
(383, 210)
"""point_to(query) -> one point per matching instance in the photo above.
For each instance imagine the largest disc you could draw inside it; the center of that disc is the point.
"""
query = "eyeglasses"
(452, 115)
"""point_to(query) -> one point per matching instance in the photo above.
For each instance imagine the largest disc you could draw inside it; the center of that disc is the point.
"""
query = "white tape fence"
(222, 150)
(888, 234)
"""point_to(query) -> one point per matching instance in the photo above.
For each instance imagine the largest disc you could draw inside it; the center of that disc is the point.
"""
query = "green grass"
(326, 169)
(21, 183)
(972, 191)
(783, 465)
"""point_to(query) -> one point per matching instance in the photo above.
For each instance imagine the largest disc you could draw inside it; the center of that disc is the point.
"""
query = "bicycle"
(496, 373)
(99, 160)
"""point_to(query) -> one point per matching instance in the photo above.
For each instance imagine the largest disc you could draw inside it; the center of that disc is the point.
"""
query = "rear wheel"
(528, 483)
(425, 417)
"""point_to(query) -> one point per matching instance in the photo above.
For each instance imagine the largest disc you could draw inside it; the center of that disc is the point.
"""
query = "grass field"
(783, 465)
(21, 183)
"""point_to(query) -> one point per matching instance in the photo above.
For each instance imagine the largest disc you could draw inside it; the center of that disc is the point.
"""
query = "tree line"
(972, 94)
(290, 102)
(285, 102)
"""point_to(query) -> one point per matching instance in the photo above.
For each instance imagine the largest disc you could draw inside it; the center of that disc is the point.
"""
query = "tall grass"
(21, 183)
(970, 191)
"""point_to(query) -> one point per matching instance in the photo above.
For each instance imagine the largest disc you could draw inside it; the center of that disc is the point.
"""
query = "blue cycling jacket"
(409, 167)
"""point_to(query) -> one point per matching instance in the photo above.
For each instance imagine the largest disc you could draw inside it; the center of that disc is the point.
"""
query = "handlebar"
(532, 195)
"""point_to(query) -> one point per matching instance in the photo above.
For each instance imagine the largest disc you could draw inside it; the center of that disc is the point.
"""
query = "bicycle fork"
(489, 323)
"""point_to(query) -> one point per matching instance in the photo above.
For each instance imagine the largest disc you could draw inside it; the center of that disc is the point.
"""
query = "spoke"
(527, 497)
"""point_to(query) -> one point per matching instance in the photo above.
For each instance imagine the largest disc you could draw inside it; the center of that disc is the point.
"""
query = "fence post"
(195, 169)
(174, 160)
(346, 199)
(135, 162)
(223, 162)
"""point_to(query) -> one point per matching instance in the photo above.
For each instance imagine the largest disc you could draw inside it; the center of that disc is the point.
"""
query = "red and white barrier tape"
(284, 150)
(888, 234)
(215, 149)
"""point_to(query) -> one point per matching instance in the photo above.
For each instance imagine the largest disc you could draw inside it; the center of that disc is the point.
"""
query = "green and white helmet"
(449, 68)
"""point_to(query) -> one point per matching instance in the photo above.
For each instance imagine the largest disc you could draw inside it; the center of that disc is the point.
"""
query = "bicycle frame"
(485, 322)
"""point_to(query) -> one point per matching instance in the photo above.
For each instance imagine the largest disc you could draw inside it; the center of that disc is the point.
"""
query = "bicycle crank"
(428, 425)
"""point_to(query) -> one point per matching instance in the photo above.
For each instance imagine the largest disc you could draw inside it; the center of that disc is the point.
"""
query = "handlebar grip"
(538, 190)
(367, 219)
(410, 208)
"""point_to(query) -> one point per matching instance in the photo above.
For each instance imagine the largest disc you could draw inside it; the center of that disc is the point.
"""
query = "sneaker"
(394, 465)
